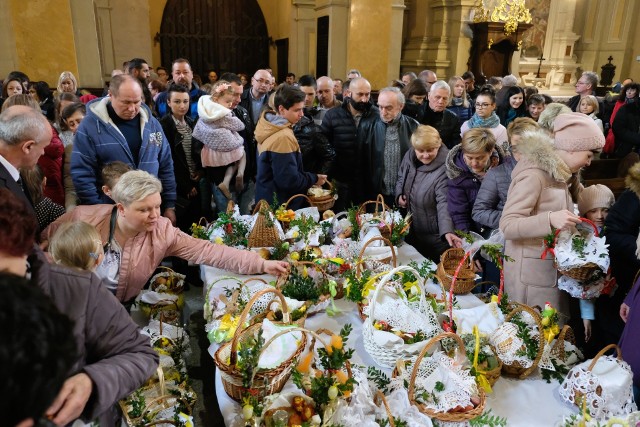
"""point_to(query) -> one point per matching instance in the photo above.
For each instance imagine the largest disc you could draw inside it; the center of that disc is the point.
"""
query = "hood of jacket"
(98, 108)
(269, 124)
(209, 110)
(536, 148)
(456, 167)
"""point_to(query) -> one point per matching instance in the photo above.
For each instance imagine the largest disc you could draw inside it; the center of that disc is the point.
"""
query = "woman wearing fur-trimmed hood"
(539, 199)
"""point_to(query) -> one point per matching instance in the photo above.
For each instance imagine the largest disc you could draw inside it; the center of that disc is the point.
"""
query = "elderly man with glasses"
(586, 85)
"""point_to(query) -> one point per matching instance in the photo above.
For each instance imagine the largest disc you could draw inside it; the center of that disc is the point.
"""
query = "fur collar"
(537, 150)
(454, 170)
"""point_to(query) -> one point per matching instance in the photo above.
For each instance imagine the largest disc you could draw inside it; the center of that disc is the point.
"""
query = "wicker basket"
(392, 260)
(516, 369)
(265, 382)
(582, 272)
(323, 203)
(324, 299)
(161, 398)
(264, 233)
(443, 416)
(578, 394)
(379, 211)
(449, 262)
(382, 355)
(558, 350)
(166, 272)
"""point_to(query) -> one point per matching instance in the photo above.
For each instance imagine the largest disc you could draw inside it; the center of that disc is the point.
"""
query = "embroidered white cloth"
(281, 349)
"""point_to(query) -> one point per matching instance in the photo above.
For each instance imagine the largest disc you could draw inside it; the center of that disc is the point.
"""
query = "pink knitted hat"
(577, 132)
(595, 196)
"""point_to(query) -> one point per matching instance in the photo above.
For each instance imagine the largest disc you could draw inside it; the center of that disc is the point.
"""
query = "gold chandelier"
(511, 12)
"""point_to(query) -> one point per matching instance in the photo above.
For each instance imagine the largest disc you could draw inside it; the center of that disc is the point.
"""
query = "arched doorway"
(223, 35)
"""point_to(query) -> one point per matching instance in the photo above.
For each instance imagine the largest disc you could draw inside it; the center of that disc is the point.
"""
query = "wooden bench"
(604, 171)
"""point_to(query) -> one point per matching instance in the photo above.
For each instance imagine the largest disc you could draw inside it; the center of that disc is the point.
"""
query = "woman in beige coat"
(539, 200)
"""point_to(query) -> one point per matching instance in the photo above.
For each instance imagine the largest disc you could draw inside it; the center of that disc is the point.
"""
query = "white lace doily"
(595, 251)
(509, 347)
(458, 386)
(579, 290)
(607, 388)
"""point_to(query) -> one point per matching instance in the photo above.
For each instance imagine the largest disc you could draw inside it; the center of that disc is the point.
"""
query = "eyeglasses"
(581, 83)
(262, 81)
(483, 105)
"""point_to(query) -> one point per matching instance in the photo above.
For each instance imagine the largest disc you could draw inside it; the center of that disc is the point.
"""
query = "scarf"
(457, 102)
(511, 116)
(490, 122)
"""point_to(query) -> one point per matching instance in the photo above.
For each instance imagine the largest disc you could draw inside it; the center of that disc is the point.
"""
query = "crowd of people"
(110, 186)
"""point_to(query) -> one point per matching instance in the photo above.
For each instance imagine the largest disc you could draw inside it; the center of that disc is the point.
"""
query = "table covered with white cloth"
(529, 402)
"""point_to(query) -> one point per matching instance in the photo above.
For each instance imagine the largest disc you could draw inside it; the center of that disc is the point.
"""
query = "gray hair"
(395, 90)
(549, 114)
(593, 79)
(20, 123)
(134, 186)
(509, 80)
(354, 71)
(440, 84)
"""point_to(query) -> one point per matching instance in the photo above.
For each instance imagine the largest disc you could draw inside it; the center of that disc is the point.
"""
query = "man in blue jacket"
(183, 75)
(120, 127)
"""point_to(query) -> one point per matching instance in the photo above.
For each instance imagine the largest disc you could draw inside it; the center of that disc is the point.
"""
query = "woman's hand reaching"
(275, 268)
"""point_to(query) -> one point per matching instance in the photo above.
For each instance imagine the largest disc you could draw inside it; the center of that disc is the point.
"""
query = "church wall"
(43, 38)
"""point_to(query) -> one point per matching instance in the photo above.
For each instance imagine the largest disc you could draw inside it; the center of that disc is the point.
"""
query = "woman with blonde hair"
(467, 165)
(77, 245)
(460, 103)
(137, 238)
(422, 189)
(67, 83)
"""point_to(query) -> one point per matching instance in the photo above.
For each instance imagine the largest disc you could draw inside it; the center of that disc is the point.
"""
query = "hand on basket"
(275, 268)
(624, 312)
(563, 219)
(453, 240)
(71, 400)
(321, 180)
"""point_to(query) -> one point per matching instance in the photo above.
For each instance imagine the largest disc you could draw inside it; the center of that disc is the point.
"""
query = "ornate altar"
(497, 28)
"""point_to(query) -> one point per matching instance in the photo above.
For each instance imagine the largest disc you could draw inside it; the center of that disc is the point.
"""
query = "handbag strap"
(112, 227)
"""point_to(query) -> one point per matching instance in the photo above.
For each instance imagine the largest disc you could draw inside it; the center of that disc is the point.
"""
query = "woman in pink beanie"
(540, 200)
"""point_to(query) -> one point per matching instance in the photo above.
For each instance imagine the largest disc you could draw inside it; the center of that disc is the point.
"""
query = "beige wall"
(608, 27)
(42, 50)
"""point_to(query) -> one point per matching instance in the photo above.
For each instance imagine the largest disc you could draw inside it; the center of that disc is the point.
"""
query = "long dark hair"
(623, 91)
(505, 106)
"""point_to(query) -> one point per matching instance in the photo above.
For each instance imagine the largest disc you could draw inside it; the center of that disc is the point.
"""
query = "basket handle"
(602, 352)
(423, 352)
(295, 196)
(259, 206)
(394, 258)
(211, 285)
(454, 279)
(380, 285)
(557, 233)
(536, 317)
(380, 396)
(245, 313)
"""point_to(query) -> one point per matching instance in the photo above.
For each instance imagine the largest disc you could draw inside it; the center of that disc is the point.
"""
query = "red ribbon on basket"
(549, 247)
(448, 326)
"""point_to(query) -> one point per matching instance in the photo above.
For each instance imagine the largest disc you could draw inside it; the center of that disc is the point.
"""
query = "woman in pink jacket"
(137, 238)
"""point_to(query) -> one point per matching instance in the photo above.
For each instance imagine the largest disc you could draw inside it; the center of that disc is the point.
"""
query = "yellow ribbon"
(481, 378)
(551, 332)
(370, 285)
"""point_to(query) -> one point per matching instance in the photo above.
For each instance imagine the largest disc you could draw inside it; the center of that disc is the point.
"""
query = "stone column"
(302, 49)
(91, 71)
(338, 12)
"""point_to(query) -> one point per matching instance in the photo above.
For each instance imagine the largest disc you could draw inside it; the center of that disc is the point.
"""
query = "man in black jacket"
(256, 97)
(246, 194)
(386, 141)
(436, 114)
(342, 126)
(317, 153)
